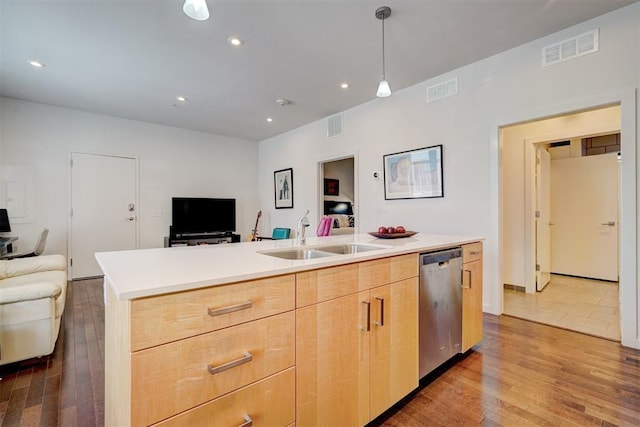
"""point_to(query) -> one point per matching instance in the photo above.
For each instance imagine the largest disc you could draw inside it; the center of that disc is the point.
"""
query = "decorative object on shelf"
(392, 235)
(283, 188)
(196, 9)
(384, 90)
(414, 174)
(331, 187)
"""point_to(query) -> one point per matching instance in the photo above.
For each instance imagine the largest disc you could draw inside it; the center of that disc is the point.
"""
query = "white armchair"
(32, 298)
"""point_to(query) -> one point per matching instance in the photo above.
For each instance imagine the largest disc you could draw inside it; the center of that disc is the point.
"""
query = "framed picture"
(283, 188)
(413, 174)
(331, 187)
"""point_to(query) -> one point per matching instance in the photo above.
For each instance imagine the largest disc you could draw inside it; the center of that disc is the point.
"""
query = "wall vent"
(334, 126)
(442, 90)
(574, 47)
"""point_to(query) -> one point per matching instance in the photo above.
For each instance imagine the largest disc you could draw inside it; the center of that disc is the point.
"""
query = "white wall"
(173, 162)
(500, 90)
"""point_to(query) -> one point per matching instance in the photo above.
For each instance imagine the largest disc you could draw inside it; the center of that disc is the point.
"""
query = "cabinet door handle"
(367, 326)
(248, 422)
(247, 357)
(224, 310)
(462, 284)
(380, 322)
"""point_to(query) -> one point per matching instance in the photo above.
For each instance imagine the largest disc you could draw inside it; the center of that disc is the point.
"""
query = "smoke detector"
(282, 102)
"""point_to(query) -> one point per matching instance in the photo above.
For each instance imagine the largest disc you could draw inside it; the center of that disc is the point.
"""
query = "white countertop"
(146, 272)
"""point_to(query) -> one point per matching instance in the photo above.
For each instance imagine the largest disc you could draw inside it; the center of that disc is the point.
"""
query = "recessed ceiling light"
(182, 98)
(344, 85)
(269, 119)
(36, 64)
(234, 41)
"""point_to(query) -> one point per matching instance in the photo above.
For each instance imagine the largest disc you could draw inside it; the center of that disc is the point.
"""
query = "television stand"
(193, 239)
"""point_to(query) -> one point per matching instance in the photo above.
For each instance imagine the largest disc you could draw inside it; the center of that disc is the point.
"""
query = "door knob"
(610, 223)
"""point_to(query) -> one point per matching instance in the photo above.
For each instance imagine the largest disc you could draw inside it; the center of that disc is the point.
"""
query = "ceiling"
(131, 58)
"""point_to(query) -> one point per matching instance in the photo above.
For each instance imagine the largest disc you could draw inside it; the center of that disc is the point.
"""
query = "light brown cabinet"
(330, 346)
(356, 351)
(187, 353)
(471, 295)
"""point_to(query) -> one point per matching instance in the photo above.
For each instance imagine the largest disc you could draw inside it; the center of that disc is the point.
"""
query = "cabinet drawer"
(269, 402)
(165, 318)
(387, 270)
(174, 377)
(472, 252)
(328, 283)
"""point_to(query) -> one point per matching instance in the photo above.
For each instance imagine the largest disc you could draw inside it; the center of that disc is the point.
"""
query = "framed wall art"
(283, 188)
(413, 174)
(331, 187)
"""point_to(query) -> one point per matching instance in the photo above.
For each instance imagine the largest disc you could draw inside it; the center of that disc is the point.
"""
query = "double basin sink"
(321, 251)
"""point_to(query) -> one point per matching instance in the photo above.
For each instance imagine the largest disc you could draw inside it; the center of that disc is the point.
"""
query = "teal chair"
(278, 234)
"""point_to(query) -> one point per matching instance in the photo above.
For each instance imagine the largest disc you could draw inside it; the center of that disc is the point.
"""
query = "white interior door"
(103, 209)
(543, 217)
(584, 209)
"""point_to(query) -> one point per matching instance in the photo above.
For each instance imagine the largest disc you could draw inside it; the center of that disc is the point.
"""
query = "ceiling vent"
(442, 90)
(334, 126)
(583, 44)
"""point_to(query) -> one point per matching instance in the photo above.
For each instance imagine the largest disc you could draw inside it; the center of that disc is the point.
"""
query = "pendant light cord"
(383, 69)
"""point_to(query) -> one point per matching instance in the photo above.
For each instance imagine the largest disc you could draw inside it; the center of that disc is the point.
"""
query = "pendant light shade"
(196, 9)
(384, 89)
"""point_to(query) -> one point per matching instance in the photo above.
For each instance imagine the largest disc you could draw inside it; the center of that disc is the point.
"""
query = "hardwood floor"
(66, 388)
(521, 374)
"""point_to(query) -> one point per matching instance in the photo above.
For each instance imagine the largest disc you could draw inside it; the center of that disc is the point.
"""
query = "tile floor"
(582, 305)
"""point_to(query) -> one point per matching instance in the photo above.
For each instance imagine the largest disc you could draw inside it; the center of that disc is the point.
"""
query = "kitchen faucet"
(303, 223)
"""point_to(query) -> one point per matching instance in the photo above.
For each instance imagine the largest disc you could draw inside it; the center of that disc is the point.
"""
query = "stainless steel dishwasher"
(440, 326)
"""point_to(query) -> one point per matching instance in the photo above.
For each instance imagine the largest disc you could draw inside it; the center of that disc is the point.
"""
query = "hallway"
(581, 305)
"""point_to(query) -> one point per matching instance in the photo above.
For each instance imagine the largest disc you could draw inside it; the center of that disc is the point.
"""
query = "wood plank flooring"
(66, 388)
(521, 374)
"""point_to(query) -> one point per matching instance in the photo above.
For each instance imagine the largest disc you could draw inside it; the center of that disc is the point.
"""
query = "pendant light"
(196, 9)
(384, 90)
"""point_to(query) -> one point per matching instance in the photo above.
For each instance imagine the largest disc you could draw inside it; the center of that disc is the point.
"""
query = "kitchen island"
(232, 332)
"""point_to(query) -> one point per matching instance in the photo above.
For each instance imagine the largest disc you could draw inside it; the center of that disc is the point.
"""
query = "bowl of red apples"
(392, 232)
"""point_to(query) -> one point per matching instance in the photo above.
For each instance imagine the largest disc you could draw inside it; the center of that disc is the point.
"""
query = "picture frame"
(283, 188)
(414, 174)
(331, 187)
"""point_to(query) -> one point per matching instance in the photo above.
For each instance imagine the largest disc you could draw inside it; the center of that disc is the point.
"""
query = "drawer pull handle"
(248, 422)
(381, 321)
(248, 357)
(230, 309)
(475, 253)
(367, 326)
(462, 284)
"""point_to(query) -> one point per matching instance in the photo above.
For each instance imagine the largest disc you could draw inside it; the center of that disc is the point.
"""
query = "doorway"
(562, 195)
(338, 194)
(103, 211)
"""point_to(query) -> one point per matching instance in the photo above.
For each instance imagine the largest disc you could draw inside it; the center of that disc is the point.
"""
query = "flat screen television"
(5, 226)
(337, 207)
(202, 215)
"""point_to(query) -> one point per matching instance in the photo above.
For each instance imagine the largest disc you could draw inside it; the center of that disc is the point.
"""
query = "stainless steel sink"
(298, 253)
(348, 248)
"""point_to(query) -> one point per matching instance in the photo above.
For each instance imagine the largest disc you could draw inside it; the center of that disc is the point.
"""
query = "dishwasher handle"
(440, 256)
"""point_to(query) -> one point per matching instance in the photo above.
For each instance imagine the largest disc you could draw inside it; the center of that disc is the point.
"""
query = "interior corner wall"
(492, 92)
(172, 162)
